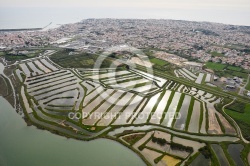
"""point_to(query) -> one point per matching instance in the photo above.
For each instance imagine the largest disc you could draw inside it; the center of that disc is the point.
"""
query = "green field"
(242, 120)
(158, 61)
(2, 53)
(248, 85)
(215, 66)
(216, 54)
(82, 60)
(224, 70)
(235, 68)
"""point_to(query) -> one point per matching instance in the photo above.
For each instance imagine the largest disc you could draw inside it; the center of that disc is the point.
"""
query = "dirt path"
(236, 125)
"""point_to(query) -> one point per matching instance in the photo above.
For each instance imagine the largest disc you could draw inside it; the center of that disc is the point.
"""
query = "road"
(186, 82)
(198, 86)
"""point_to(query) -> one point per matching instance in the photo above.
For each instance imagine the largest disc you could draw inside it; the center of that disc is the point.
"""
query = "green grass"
(82, 60)
(216, 54)
(248, 85)
(158, 61)
(231, 73)
(131, 139)
(242, 120)
(238, 107)
(235, 68)
(215, 66)
(190, 111)
(224, 70)
(2, 53)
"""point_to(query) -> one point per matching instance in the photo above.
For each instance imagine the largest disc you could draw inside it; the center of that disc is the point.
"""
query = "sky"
(223, 11)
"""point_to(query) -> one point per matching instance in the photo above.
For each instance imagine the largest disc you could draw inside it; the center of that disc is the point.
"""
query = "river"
(28, 146)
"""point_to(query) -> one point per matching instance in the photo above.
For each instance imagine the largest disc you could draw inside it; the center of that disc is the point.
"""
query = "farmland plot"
(92, 95)
(48, 81)
(171, 110)
(194, 144)
(25, 101)
(118, 80)
(108, 75)
(43, 116)
(189, 73)
(131, 84)
(79, 97)
(59, 108)
(145, 89)
(208, 95)
(186, 75)
(220, 154)
(180, 88)
(195, 118)
(25, 69)
(18, 73)
(214, 126)
(35, 70)
(97, 114)
(180, 123)
(228, 127)
(234, 151)
(199, 79)
(203, 124)
(35, 78)
(128, 111)
(208, 78)
(201, 160)
(150, 155)
(87, 86)
(166, 148)
(48, 65)
(42, 67)
(176, 73)
(156, 117)
(126, 76)
(58, 82)
(170, 161)
(98, 98)
(158, 80)
(123, 102)
(62, 102)
(63, 94)
(143, 116)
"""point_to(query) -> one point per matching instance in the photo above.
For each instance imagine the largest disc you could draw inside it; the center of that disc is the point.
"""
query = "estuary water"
(28, 146)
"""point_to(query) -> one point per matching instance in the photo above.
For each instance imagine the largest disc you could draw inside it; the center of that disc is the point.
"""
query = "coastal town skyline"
(227, 12)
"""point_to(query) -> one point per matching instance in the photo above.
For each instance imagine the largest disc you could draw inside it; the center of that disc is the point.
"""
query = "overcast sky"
(224, 11)
(192, 4)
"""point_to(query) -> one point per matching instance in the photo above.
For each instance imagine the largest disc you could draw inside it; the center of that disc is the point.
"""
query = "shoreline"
(24, 29)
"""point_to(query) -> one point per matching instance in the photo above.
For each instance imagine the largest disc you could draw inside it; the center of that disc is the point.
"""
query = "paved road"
(188, 83)
(198, 86)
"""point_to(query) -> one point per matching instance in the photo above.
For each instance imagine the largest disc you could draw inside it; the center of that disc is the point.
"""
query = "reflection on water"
(28, 146)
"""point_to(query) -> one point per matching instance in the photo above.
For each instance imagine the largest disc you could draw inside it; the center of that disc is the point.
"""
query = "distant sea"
(11, 17)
